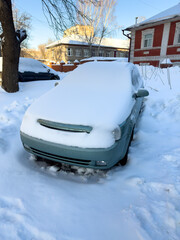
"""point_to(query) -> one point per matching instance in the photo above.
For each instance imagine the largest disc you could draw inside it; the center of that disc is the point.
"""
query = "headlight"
(117, 133)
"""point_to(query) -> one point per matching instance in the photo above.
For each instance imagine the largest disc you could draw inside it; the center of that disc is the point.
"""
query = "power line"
(150, 5)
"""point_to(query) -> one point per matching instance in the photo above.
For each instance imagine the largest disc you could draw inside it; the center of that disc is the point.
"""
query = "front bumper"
(83, 157)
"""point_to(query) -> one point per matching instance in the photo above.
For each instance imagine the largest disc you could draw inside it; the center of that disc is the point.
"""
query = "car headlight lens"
(117, 133)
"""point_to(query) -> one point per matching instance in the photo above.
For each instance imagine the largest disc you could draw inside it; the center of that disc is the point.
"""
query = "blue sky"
(126, 11)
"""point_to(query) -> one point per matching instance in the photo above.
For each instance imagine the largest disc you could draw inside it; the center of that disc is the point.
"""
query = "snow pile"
(138, 201)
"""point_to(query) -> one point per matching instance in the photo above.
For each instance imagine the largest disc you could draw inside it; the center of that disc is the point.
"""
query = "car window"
(136, 79)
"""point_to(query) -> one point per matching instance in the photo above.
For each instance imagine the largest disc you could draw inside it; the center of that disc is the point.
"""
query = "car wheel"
(123, 161)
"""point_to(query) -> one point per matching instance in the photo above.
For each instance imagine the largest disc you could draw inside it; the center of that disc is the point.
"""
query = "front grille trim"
(65, 127)
(61, 158)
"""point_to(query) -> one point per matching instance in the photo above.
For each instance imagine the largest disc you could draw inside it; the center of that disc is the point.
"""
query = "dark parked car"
(33, 70)
(88, 119)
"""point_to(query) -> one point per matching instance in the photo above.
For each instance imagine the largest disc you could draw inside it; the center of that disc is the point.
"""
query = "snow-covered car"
(33, 70)
(88, 119)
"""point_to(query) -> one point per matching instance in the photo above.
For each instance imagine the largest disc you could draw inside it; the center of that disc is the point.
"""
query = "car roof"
(95, 94)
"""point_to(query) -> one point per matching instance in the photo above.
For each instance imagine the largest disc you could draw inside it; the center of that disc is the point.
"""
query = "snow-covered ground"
(137, 202)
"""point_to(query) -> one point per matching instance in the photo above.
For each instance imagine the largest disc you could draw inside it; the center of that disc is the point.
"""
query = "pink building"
(156, 38)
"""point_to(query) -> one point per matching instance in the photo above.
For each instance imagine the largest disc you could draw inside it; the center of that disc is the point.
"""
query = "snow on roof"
(164, 15)
(117, 59)
(80, 40)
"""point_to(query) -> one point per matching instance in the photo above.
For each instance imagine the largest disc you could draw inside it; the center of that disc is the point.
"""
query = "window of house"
(93, 53)
(121, 54)
(147, 38)
(177, 34)
(107, 54)
(86, 52)
(78, 52)
(69, 52)
(101, 53)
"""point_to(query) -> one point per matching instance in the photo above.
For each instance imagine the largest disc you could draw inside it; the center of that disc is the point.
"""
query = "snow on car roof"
(31, 65)
(97, 94)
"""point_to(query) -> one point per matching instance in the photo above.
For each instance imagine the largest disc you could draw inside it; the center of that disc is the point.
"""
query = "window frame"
(108, 53)
(69, 52)
(101, 53)
(93, 53)
(144, 33)
(177, 34)
(86, 52)
(78, 52)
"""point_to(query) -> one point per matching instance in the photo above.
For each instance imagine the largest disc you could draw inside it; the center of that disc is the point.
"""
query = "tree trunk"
(11, 52)
(10, 48)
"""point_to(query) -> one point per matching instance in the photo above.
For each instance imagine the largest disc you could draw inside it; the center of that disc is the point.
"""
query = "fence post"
(76, 63)
(61, 66)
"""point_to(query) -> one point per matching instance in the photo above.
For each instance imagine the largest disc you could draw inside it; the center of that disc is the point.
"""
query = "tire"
(123, 161)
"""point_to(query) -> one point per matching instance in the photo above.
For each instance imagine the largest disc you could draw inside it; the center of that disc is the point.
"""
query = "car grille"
(64, 127)
(61, 158)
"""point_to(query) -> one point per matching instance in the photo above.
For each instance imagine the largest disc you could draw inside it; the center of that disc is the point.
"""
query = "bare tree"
(11, 40)
(100, 19)
(42, 50)
(22, 20)
(61, 14)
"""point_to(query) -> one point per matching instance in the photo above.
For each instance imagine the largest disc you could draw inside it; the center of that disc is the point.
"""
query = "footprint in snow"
(15, 222)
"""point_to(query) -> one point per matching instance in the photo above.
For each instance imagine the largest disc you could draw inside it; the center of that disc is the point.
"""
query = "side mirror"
(141, 93)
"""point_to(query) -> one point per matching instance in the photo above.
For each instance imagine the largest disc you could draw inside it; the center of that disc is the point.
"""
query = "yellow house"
(75, 46)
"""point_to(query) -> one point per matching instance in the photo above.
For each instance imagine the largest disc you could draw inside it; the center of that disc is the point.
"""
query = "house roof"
(80, 40)
(170, 13)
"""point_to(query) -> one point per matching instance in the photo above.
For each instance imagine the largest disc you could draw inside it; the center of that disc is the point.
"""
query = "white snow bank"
(15, 222)
(97, 94)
